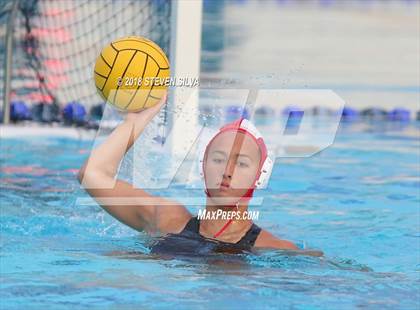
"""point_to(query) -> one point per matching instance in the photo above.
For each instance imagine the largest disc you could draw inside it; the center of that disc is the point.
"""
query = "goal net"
(55, 44)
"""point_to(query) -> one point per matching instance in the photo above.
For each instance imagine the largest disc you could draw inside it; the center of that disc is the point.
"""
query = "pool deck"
(43, 130)
(31, 129)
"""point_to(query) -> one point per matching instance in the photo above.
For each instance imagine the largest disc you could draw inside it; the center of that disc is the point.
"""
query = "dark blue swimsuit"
(189, 241)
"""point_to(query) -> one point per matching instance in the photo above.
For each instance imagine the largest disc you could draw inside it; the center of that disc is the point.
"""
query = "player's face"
(231, 166)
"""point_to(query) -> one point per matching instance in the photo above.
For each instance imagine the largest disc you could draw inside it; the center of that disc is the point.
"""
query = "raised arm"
(132, 206)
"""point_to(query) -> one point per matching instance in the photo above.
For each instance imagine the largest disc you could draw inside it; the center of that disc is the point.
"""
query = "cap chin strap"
(246, 197)
(226, 225)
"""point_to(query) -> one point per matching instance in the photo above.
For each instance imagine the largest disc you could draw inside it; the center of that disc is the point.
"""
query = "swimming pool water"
(358, 201)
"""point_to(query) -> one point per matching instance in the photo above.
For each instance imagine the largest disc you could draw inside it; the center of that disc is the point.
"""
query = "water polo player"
(235, 162)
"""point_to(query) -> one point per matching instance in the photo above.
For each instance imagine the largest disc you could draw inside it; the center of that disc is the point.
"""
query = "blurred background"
(367, 51)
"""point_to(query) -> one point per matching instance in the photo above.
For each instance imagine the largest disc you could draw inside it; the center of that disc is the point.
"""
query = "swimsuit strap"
(250, 236)
(193, 225)
(248, 239)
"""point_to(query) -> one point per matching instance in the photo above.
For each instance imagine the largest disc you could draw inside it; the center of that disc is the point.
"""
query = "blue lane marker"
(293, 122)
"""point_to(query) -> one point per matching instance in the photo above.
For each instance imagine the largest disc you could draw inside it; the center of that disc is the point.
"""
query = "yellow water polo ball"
(132, 73)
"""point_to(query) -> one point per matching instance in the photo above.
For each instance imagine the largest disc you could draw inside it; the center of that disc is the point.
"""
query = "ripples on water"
(359, 205)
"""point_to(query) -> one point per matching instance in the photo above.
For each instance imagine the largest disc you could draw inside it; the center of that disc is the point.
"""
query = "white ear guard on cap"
(266, 170)
(267, 166)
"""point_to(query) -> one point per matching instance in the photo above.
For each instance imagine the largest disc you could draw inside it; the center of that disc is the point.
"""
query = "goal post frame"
(185, 52)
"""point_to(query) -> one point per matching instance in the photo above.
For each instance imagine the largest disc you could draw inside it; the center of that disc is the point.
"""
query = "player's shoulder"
(266, 239)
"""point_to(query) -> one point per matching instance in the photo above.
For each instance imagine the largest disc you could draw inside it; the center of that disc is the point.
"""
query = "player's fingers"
(161, 103)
